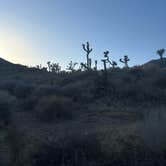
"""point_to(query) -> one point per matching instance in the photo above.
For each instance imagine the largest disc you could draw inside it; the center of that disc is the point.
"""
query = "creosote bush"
(54, 107)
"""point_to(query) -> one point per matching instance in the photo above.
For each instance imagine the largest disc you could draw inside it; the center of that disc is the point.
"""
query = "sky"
(33, 32)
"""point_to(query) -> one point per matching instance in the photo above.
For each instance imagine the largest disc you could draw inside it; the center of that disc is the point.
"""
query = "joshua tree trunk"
(162, 60)
(105, 67)
(89, 62)
(126, 64)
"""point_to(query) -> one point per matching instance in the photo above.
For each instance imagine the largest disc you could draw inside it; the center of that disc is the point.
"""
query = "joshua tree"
(106, 60)
(104, 79)
(104, 63)
(49, 66)
(83, 66)
(160, 52)
(39, 67)
(55, 67)
(125, 60)
(71, 66)
(88, 50)
(114, 64)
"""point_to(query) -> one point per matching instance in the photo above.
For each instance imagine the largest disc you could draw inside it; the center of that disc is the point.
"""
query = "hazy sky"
(35, 31)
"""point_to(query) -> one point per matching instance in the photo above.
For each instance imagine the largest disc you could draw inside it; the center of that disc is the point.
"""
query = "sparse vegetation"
(84, 117)
(71, 66)
(7, 103)
(54, 107)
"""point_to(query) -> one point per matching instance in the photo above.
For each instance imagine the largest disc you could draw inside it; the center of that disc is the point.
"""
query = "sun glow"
(13, 47)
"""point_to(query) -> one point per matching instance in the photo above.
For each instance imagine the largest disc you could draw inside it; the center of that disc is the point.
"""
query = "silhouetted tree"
(113, 63)
(49, 66)
(44, 69)
(83, 66)
(105, 60)
(55, 67)
(101, 83)
(71, 66)
(106, 54)
(104, 63)
(160, 52)
(39, 67)
(88, 50)
(125, 60)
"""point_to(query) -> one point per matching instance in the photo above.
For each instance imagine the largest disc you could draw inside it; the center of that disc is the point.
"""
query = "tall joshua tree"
(160, 52)
(88, 50)
(125, 60)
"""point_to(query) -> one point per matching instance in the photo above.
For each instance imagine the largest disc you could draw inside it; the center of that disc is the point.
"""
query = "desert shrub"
(17, 88)
(79, 91)
(8, 85)
(23, 90)
(160, 82)
(7, 103)
(125, 146)
(122, 146)
(75, 149)
(31, 101)
(16, 140)
(54, 107)
(73, 90)
(153, 130)
(44, 90)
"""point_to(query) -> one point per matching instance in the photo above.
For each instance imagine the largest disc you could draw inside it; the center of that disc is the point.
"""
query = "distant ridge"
(6, 65)
(154, 63)
(5, 62)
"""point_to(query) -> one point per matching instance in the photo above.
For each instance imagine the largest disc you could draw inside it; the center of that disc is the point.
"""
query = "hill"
(155, 63)
(6, 65)
(82, 118)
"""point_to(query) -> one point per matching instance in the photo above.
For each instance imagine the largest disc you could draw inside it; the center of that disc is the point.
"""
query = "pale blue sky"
(35, 31)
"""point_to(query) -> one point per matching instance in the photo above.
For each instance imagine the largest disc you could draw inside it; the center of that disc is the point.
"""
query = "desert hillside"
(78, 118)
